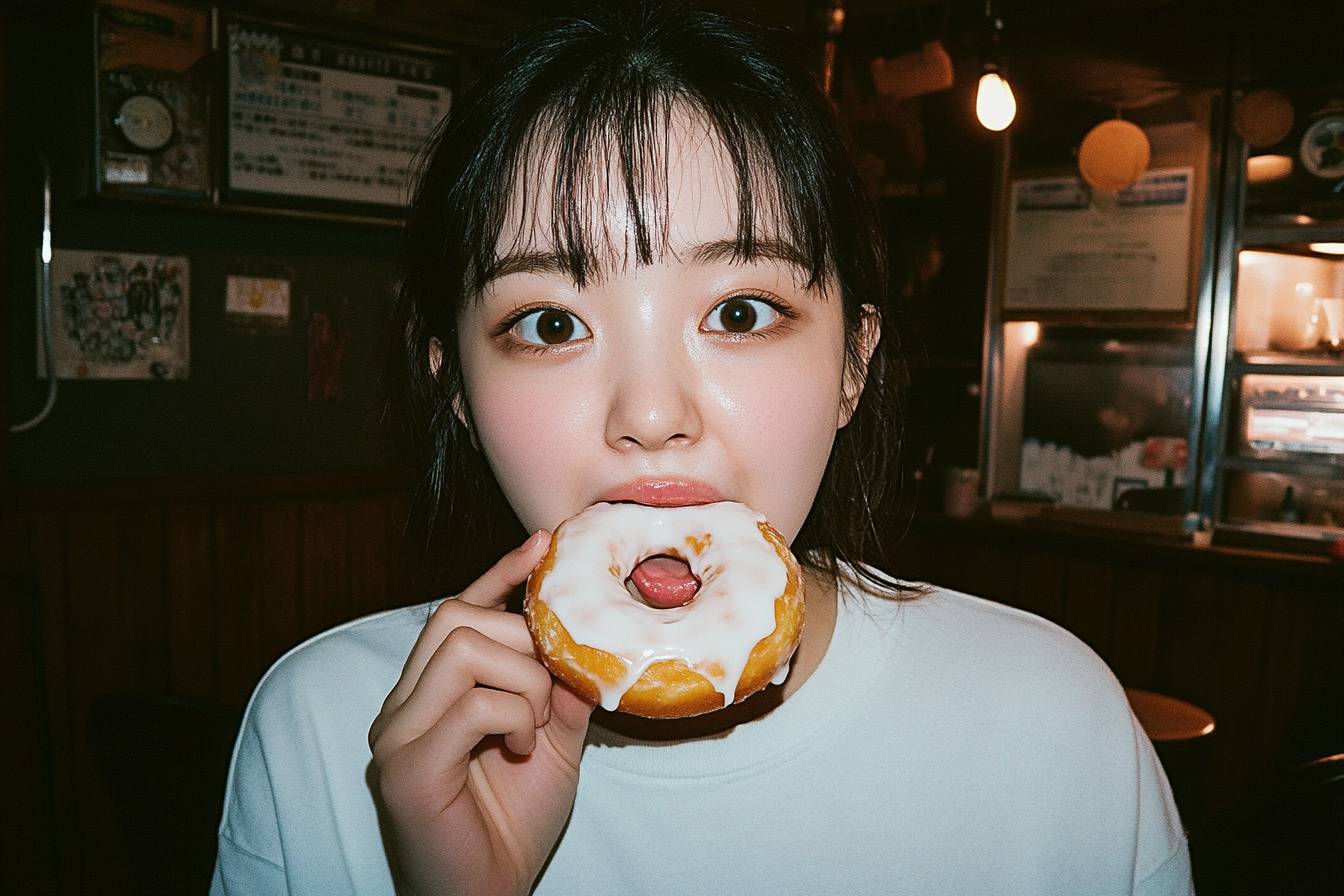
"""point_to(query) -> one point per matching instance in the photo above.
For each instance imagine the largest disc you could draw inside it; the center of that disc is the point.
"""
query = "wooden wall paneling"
(1316, 729)
(408, 578)
(259, 606)
(1238, 655)
(233, 534)
(1089, 601)
(326, 565)
(369, 555)
(279, 614)
(1188, 641)
(25, 753)
(48, 546)
(1136, 620)
(15, 544)
(141, 585)
(1287, 632)
(111, 579)
(1042, 580)
(190, 596)
(990, 571)
(963, 565)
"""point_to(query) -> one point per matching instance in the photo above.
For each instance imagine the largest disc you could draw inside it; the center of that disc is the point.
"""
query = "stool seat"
(1165, 718)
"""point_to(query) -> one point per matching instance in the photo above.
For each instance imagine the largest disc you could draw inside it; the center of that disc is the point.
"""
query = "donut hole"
(663, 581)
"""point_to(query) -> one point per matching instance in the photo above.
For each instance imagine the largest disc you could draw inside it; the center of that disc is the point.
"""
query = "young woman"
(642, 268)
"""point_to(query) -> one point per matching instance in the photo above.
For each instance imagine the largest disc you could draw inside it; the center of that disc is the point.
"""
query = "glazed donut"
(736, 635)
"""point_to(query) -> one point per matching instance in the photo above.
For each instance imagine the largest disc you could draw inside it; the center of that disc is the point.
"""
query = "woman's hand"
(476, 750)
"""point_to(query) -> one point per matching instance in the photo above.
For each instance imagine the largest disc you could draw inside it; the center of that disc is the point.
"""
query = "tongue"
(664, 582)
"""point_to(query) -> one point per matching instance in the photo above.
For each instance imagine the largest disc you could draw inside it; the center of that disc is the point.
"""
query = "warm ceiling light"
(1328, 248)
(995, 105)
(1028, 331)
(1267, 169)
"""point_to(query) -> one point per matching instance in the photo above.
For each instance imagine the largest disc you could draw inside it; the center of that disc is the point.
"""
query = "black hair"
(580, 92)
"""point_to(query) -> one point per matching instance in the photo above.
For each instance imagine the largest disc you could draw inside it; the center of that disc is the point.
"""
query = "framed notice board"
(1072, 250)
(152, 98)
(198, 106)
(322, 122)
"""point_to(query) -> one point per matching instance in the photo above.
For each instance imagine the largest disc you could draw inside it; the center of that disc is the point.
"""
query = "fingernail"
(546, 714)
(532, 541)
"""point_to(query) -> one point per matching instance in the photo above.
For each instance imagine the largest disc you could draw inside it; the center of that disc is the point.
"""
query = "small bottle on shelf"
(1288, 512)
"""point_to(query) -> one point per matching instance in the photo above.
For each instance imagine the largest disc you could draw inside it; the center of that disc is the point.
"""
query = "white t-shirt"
(947, 745)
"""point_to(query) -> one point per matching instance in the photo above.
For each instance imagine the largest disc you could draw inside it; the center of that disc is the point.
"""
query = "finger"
(506, 628)
(466, 660)
(480, 713)
(442, 752)
(494, 587)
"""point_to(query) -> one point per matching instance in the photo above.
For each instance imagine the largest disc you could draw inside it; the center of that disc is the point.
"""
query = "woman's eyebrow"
(524, 263)
(732, 251)
(711, 252)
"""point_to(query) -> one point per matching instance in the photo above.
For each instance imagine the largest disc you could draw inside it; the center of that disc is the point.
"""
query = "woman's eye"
(549, 326)
(741, 314)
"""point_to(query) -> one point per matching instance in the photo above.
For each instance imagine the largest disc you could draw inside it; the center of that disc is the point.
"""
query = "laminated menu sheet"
(1071, 248)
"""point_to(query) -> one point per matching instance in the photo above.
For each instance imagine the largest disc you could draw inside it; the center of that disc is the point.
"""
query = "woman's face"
(690, 379)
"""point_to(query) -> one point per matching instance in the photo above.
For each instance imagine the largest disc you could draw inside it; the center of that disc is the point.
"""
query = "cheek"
(783, 427)
(531, 431)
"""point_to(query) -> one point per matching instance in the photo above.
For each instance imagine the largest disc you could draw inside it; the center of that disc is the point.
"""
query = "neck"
(819, 608)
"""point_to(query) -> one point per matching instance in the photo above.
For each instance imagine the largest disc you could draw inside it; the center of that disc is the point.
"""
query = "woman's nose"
(654, 406)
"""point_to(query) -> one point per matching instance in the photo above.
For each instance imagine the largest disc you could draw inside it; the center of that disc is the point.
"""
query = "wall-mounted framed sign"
(1073, 250)
(153, 99)
(322, 122)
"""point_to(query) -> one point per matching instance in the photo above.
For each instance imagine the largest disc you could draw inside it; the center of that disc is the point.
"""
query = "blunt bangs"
(592, 129)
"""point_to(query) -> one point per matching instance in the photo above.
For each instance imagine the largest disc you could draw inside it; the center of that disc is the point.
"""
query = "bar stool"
(1178, 731)
(1167, 719)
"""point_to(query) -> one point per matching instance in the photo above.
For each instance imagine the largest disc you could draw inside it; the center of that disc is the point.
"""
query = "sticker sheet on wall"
(119, 316)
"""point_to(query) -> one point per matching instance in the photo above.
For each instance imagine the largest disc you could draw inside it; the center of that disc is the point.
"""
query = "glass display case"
(1232, 415)
(1274, 465)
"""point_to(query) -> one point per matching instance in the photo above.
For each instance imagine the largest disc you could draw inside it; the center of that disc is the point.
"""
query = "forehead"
(625, 196)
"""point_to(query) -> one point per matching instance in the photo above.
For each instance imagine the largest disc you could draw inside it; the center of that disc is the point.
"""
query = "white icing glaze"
(740, 576)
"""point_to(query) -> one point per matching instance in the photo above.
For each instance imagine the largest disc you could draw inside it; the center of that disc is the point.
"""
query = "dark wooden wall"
(186, 590)
(1255, 639)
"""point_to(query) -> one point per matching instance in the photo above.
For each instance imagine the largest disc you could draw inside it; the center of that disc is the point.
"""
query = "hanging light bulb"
(995, 105)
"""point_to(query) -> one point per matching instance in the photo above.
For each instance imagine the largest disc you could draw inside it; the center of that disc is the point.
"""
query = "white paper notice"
(261, 299)
(1073, 249)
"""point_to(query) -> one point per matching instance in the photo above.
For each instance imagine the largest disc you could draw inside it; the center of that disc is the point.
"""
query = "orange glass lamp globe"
(1114, 154)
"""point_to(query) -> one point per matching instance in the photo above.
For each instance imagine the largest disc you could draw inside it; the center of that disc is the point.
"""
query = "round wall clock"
(145, 121)
(1322, 148)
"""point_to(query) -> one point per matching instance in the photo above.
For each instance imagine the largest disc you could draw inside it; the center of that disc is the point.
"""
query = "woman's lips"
(664, 493)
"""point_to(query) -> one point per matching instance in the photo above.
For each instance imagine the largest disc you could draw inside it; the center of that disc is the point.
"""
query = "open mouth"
(663, 582)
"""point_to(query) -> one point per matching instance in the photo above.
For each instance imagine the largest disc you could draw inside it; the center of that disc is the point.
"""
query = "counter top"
(1121, 543)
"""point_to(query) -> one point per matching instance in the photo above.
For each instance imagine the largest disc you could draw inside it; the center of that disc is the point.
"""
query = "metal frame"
(991, 369)
(1213, 319)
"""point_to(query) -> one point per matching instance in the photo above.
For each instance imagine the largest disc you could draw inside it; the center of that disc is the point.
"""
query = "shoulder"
(346, 666)
(992, 654)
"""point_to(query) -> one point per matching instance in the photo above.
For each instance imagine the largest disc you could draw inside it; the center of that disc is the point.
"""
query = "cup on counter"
(1296, 321)
(961, 489)
(1332, 324)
